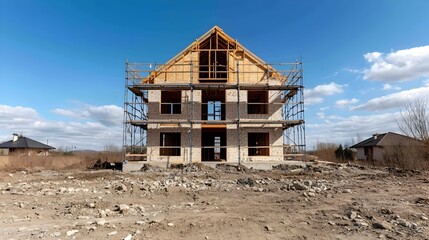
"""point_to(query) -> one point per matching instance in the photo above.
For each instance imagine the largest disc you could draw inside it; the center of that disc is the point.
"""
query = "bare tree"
(414, 120)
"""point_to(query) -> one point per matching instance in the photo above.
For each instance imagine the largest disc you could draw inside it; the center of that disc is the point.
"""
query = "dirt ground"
(320, 201)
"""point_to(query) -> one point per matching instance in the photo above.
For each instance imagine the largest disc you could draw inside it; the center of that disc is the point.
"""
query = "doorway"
(213, 144)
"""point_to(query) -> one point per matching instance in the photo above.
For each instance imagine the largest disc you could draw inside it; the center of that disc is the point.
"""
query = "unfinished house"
(213, 102)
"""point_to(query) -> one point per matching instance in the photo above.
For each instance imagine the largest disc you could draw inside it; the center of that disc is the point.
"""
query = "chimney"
(15, 137)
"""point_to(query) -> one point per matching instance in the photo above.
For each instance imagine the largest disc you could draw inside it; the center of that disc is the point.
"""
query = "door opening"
(213, 144)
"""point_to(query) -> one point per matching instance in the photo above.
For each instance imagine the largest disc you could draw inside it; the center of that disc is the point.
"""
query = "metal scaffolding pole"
(238, 115)
(192, 114)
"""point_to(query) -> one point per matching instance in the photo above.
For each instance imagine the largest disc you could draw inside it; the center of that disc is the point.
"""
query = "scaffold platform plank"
(211, 86)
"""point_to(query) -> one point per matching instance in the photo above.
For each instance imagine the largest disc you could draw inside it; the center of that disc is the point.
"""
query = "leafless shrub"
(31, 163)
(405, 157)
(326, 151)
(413, 122)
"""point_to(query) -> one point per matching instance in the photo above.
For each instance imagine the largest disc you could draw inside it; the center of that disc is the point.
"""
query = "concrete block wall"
(154, 106)
(153, 143)
(274, 130)
(275, 141)
(274, 106)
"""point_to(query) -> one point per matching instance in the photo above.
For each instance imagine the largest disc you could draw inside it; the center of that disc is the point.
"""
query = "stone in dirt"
(157, 218)
(121, 187)
(386, 211)
(123, 208)
(246, 181)
(71, 232)
(112, 233)
(382, 225)
(101, 222)
(352, 215)
(308, 183)
(55, 234)
(268, 228)
(299, 186)
(128, 237)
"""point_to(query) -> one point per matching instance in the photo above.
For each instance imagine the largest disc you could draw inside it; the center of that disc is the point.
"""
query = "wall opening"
(258, 144)
(213, 144)
(169, 144)
(213, 59)
(213, 105)
(171, 102)
(257, 102)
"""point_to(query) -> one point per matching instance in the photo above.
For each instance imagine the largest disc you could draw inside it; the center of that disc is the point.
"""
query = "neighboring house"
(214, 101)
(374, 148)
(23, 146)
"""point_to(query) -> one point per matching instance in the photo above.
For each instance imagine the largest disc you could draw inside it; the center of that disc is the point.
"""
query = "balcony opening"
(213, 144)
(171, 102)
(258, 144)
(213, 105)
(257, 102)
(169, 144)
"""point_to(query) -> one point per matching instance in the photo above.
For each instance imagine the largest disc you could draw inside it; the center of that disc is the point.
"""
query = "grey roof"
(25, 142)
(387, 139)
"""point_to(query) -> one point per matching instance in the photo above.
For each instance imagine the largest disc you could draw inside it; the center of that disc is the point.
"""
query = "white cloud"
(372, 57)
(91, 129)
(17, 115)
(387, 86)
(346, 102)
(402, 65)
(344, 130)
(316, 95)
(108, 115)
(393, 100)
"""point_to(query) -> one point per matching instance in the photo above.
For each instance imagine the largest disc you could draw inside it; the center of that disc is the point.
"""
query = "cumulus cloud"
(17, 115)
(316, 95)
(393, 100)
(344, 130)
(402, 65)
(91, 129)
(108, 115)
(346, 102)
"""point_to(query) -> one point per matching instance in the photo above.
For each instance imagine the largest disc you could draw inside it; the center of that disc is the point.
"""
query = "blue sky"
(62, 62)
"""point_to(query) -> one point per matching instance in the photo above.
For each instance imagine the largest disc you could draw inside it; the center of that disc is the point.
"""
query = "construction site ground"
(319, 201)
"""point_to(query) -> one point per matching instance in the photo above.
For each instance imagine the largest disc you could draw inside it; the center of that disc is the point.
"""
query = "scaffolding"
(214, 62)
(136, 106)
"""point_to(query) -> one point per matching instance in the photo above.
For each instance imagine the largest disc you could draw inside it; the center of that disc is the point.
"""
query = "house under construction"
(213, 102)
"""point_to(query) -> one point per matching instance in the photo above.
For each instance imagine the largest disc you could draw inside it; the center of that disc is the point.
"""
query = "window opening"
(169, 144)
(258, 144)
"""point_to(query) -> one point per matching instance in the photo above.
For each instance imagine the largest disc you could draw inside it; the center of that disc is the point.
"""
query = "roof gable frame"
(195, 46)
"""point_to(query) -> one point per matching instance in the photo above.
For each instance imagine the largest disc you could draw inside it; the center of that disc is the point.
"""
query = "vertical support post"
(124, 133)
(238, 115)
(192, 112)
(302, 110)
